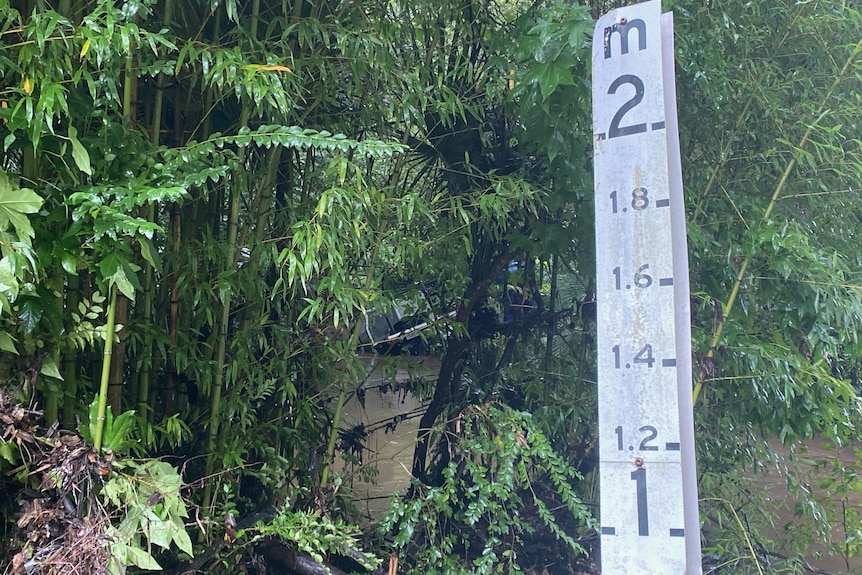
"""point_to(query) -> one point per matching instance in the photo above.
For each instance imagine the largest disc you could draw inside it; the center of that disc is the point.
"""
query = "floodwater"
(816, 452)
(390, 417)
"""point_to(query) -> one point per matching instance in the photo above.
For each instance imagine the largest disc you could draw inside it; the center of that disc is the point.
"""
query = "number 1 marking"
(639, 476)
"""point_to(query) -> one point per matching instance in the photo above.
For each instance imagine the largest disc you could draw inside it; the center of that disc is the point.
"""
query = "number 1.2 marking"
(651, 434)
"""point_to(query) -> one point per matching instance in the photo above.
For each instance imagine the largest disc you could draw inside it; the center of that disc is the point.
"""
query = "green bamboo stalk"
(121, 306)
(106, 371)
(53, 391)
(262, 225)
(127, 86)
(118, 359)
(776, 195)
(70, 360)
(145, 377)
(221, 351)
(147, 274)
(552, 308)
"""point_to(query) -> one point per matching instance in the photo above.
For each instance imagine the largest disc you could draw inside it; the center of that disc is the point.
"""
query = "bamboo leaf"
(79, 152)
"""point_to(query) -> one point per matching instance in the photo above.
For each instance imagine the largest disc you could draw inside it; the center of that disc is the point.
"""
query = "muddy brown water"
(390, 449)
(816, 451)
(391, 415)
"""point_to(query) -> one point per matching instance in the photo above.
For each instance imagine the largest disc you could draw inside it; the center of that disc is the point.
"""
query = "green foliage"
(771, 157)
(257, 177)
(313, 533)
(153, 514)
(503, 470)
(117, 436)
(84, 332)
(18, 263)
(106, 215)
(8, 453)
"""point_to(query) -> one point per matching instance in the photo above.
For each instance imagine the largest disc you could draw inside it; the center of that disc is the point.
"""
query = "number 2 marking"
(652, 434)
(615, 131)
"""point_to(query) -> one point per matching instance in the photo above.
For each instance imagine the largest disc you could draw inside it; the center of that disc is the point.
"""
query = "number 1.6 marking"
(641, 279)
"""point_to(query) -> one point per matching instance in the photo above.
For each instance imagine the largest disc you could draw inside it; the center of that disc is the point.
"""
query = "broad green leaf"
(20, 200)
(148, 253)
(553, 74)
(79, 152)
(49, 368)
(117, 435)
(8, 453)
(29, 315)
(181, 537)
(7, 342)
(139, 557)
(123, 284)
(69, 263)
(14, 204)
(157, 531)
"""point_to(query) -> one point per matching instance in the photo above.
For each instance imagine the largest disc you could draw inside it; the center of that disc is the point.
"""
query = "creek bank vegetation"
(201, 202)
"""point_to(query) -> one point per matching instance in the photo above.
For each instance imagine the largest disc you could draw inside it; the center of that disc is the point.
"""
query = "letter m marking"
(623, 30)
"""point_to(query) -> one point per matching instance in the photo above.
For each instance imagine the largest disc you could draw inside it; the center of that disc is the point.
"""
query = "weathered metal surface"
(641, 494)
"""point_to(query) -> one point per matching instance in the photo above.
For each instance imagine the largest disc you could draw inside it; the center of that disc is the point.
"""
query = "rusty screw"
(639, 461)
(624, 21)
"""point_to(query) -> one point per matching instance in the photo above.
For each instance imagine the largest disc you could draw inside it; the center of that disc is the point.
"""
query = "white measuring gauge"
(641, 488)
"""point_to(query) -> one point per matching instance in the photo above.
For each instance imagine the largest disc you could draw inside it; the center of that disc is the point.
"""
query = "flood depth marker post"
(648, 490)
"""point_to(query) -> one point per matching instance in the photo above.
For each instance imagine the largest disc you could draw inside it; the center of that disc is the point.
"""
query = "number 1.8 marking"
(640, 201)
